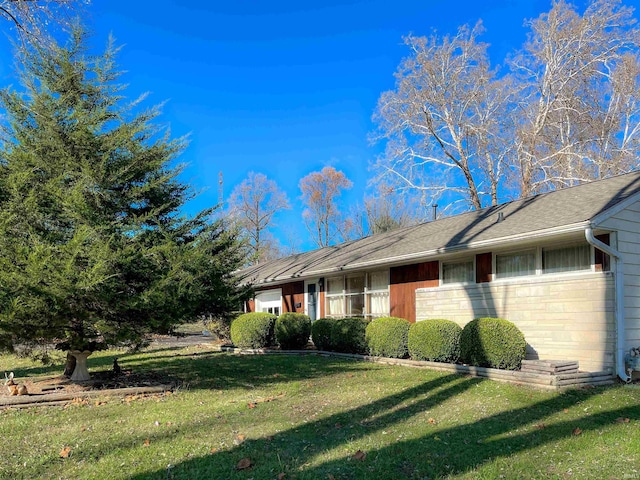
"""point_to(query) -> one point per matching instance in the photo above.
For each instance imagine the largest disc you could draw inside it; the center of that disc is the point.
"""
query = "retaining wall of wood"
(546, 381)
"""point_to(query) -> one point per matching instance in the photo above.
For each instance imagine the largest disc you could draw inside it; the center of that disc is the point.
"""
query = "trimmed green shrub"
(293, 330)
(253, 330)
(492, 342)
(348, 335)
(321, 333)
(387, 337)
(435, 341)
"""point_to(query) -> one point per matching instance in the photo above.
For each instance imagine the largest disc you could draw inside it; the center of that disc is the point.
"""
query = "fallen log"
(35, 400)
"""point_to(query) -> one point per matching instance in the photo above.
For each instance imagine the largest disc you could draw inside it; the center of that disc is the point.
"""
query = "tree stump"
(81, 372)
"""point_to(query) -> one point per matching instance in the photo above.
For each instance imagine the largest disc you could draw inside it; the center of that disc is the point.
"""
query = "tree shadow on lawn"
(444, 451)
(301, 442)
(219, 370)
(209, 369)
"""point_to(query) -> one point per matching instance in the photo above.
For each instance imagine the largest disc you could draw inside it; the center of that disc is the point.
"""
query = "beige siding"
(626, 223)
(563, 317)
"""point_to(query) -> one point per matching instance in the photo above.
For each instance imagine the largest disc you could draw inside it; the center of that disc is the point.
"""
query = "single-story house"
(563, 266)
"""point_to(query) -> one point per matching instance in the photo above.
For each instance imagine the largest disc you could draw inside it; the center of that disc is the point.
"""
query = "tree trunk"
(80, 373)
(70, 365)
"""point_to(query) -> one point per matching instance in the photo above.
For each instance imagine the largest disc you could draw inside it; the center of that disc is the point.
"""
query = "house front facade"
(563, 266)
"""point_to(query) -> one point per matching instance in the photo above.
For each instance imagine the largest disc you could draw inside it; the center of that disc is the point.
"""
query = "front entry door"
(312, 301)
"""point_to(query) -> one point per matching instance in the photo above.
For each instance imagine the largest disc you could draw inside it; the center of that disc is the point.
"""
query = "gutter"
(619, 310)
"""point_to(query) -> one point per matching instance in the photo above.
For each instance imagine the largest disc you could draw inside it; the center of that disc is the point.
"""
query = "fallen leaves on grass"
(622, 420)
(577, 431)
(282, 476)
(77, 402)
(239, 439)
(146, 443)
(432, 421)
(255, 403)
(540, 426)
(65, 452)
(359, 455)
(244, 464)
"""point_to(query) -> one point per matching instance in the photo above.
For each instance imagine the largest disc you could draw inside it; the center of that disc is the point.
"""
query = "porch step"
(550, 367)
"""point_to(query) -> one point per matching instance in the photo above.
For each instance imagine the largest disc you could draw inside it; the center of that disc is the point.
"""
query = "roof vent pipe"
(619, 292)
(500, 216)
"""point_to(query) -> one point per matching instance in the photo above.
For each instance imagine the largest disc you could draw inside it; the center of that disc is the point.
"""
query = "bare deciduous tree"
(253, 205)
(383, 212)
(442, 123)
(567, 110)
(33, 18)
(322, 217)
(579, 90)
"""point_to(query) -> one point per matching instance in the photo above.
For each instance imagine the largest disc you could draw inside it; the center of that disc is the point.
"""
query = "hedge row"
(346, 335)
(492, 342)
(485, 342)
(387, 337)
(261, 330)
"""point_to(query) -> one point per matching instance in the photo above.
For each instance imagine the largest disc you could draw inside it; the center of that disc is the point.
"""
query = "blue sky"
(282, 88)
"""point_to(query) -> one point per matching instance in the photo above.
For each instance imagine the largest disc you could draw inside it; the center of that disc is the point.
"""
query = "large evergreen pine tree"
(93, 247)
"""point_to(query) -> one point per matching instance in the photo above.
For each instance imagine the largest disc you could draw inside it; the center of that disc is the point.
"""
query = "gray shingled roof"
(551, 211)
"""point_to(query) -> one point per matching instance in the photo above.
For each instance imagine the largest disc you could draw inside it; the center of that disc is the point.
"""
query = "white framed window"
(334, 294)
(358, 295)
(516, 264)
(354, 293)
(569, 258)
(377, 294)
(458, 272)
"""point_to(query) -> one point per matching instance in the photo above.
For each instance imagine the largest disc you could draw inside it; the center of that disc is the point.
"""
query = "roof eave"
(400, 259)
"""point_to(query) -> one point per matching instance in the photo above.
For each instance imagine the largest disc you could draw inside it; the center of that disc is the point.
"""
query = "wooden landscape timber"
(49, 399)
(551, 374)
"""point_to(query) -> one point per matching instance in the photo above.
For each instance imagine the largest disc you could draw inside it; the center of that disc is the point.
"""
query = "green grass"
(411, 423)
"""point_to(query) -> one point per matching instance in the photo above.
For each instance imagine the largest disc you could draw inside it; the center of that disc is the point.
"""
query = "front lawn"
(320, 418)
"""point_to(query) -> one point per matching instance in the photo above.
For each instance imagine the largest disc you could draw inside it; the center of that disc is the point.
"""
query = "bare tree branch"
(253, 205)
(35, 20)
(566, 111)
(320, 191)
(442, 121)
